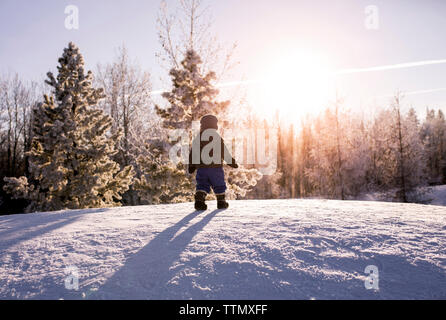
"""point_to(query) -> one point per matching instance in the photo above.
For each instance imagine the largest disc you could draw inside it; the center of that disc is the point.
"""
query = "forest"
(88, 139)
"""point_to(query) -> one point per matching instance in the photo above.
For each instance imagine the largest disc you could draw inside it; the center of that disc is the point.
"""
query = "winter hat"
(209, 122)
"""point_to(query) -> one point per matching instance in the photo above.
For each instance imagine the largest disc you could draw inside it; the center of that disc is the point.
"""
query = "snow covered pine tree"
(161, 182)
(192, 97)
(70, 163)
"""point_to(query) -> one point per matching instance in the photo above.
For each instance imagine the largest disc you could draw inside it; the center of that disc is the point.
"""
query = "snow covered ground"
(437, 196)
(275, 249)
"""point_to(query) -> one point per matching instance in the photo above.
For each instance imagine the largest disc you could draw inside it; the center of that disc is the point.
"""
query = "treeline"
(341, 155)
(96, 139)
(125, 99)
(337, 154)
(87, 139)
(17, 98)
(101, 143)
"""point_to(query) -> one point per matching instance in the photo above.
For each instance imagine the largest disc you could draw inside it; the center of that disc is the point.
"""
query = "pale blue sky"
(32, 37)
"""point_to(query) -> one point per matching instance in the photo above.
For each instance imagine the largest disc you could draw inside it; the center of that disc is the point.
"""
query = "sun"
(296, 84)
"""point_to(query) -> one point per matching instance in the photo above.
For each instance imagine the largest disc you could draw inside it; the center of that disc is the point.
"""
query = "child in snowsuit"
(207, 155)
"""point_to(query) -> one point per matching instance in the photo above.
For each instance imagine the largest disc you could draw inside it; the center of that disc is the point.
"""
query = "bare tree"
(189, 28)
(16, 101)
(129, 104)
(400, 146)
(339, 155)
(409, 151)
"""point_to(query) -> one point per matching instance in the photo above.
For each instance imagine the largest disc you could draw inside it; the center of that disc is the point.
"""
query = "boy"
(207, 155)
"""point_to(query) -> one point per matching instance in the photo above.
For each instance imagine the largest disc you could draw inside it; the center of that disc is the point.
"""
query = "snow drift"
(275, 249)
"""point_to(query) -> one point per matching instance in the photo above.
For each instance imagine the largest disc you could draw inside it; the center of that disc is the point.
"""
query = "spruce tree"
(190, 98)
(433, 134)
(161, 181)
(70, 158)
(338, 155)
(193, 96)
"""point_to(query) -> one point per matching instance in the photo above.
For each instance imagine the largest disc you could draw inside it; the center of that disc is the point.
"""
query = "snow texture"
(438, 196)
(271, 249)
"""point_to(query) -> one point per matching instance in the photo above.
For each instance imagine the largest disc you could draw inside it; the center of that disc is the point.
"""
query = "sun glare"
(296, 84)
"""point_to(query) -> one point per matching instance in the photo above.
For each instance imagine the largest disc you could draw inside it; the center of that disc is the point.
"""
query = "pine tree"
(440, 126)
(193, 95)
(161, 181)
(406, 149)
(338, 154)
(186, 36)
(323, 175)
(304, 162)
(69, 160)
(398, 158)
(433, 134)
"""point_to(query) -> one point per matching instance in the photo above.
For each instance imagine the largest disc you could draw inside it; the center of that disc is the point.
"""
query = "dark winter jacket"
(206, 159)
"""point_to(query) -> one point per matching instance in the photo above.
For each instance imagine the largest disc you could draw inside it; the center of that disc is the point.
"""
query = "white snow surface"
(438, 196)
(271, 249)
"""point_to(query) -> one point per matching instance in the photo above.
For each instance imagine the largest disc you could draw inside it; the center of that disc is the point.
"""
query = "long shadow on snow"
(268, 274)
(34, 225)
(271, 274)
(146, 274)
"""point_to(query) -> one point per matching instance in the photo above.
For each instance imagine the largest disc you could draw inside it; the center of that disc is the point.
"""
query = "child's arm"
(227, 156)
(191, 167)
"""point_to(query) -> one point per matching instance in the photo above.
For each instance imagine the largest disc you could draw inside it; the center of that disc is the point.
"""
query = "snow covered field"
(438, 196)
(277, 249)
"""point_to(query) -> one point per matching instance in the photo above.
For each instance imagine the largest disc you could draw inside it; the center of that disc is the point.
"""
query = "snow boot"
(221, 203)
(200, 198)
